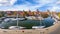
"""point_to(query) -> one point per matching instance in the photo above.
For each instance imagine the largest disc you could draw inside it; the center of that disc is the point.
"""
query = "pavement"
(57, 30)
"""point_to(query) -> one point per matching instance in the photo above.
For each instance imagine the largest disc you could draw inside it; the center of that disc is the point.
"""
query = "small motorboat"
(37, 27)
(16, 27)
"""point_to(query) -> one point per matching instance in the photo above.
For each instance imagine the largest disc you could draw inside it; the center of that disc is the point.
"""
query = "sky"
(42, 5)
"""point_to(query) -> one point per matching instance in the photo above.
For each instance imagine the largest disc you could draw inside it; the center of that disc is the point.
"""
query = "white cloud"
(52, 3)
(12, 1)
(58, 2)
(41, 3)
(7, 2)
(54, 8)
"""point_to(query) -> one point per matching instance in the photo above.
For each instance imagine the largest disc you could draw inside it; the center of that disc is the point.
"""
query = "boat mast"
(39, 16)
(17, 18)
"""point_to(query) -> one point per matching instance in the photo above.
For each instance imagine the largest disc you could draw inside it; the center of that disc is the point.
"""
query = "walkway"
(57, 31)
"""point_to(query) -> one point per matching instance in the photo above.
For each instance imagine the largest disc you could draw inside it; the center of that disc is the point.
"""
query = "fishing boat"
(41, 25)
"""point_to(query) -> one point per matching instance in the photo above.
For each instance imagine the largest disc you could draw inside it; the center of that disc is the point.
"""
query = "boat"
(34, 18)
(37, 27)
(6, 19)
(27, 23)
(16, 27)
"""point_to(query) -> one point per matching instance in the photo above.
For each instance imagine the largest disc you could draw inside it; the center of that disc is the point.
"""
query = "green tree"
(59, 15)
(2, 14)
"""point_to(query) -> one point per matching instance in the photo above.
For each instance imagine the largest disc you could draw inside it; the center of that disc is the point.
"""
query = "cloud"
(58, 2)
(7, 2)
(12, 1)
(40, 3)
(54, 8)
(52, 5)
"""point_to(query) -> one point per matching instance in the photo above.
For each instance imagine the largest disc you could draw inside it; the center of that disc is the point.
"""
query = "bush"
(59, 15)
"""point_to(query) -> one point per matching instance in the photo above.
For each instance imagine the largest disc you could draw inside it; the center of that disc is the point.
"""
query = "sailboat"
(16, 27)
(42, 25)
(56, 18)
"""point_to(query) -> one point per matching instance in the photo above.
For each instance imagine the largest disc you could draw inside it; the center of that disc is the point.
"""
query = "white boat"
(16, 27)
(13, 19)
(29, 17)
(6, 19)
(34, 18)
(40, 18)
(20, 18)
(38, 27)
(55, 16)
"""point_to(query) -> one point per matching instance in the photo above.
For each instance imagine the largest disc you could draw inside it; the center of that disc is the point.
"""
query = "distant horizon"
(42, 5)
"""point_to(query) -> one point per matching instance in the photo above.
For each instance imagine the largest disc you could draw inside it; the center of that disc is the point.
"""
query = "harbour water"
(28, 23)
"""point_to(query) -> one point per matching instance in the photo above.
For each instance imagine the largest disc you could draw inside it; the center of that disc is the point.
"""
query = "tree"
(59, 15)
(2, 14)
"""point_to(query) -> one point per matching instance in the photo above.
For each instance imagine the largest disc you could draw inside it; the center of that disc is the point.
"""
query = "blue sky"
(43, 5)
